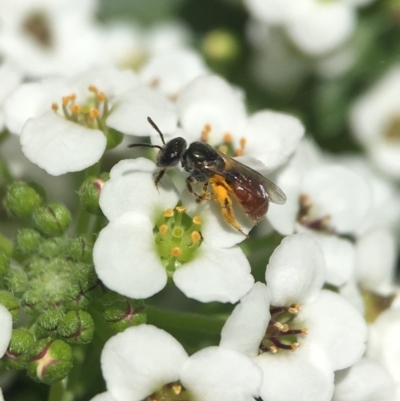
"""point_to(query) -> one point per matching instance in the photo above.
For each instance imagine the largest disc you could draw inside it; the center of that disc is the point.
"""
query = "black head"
(170, 154)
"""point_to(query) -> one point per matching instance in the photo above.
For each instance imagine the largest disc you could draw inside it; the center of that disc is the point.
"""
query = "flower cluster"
(224, 255)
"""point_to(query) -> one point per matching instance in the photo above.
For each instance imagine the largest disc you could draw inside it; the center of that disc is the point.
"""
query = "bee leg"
(221, 192)
(157, 176)
(204, 195)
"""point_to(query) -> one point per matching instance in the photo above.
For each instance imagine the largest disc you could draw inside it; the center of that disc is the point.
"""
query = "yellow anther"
(278, 326)
(94, 113)
(197, 220)
(305, 201)
(285, 328)
(66, 100)
(154, 83)
(239, 152)
(273, 349)
(228, 138)
(163, 229)
(76, 108)
(195, 237)
(177, 389)
(101, 96)
(92, 88)
(242, 143)
(180, 209)
(293, 311)
(295, 345)
(206, 131)
(304, 330)
(54, 106)
(297, 306)
(168, 213)
(175, 251)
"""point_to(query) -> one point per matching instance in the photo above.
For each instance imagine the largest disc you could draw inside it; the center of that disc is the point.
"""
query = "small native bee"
(226, 176)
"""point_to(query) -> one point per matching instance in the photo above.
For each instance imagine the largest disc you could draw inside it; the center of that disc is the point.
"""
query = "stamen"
(228, 138)
(163, 229)
(169, 213)
(94, 113)
(205, 133)
(177, 389)
(101, 96)
(304, 330)
(76, 108)
(273, 349)
(180, 209)
(278, 326)
(295, 345)
(242, 142)
(195, 237)
(54, 106)
(197, 220)
(176, 251)
(294, 309)
(66, 100)
(92, 88)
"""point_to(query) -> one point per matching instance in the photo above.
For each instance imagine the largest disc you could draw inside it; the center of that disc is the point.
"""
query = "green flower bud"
(27, 241)
(47, 322)
(114, 138)
(23, 198)
(124, 313)
(16, 280)
(80, 248)
(11, 303)
(51, 247)
(32, 302)
(49, 361)
(89, 193)
(4, 262)
(76, 327)
(17, 353)
(52, 219)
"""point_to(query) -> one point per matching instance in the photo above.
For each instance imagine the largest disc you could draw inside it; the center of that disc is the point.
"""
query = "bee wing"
(250, 180)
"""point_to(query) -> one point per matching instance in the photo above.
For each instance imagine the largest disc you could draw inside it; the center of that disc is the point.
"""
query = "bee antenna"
(146, 145)
(153, 124)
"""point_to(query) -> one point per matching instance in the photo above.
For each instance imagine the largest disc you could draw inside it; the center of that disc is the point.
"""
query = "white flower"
(5, 329)
(48, 37)
(210, 109)
(376, 256)
(64, 123)
(375, 120)
(364, 381)
(297, 346)
(147, 241)
(383, 345)
(145, 361)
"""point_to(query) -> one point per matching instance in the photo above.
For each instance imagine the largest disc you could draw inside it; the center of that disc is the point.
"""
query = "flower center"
(170, 392)
(37, 26)
(226, 146)
(309, 217)
(177, 238)
(392, 131)
(283, 330)
(91, 114)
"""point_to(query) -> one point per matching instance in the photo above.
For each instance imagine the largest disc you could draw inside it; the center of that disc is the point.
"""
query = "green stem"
(5, 174)
(167, 318)
(83, 222)
(98, 224)
(58, 392)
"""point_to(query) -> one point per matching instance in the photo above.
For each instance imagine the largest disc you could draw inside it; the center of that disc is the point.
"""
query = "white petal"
(217, 374)
(171, 71)
(211, 100)
(296, 271)
(376, 255)
(322, 28)
(335, 325)
(131, 188)
(131, 109)
(302, 375)
(351, 292)
(106, 396)
(283, 217)
(5, 329)
(338, 192)
(272, 137)
(246, 326)
(215, 274)
(125, 258)
(60, 146)
(139, 360)
(32, 100)
(10, 77)
(383, 342)
(339, 258)
(386, 156)
(364, 381)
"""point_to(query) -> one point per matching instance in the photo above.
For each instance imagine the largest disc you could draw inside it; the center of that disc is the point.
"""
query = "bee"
(226, 177)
